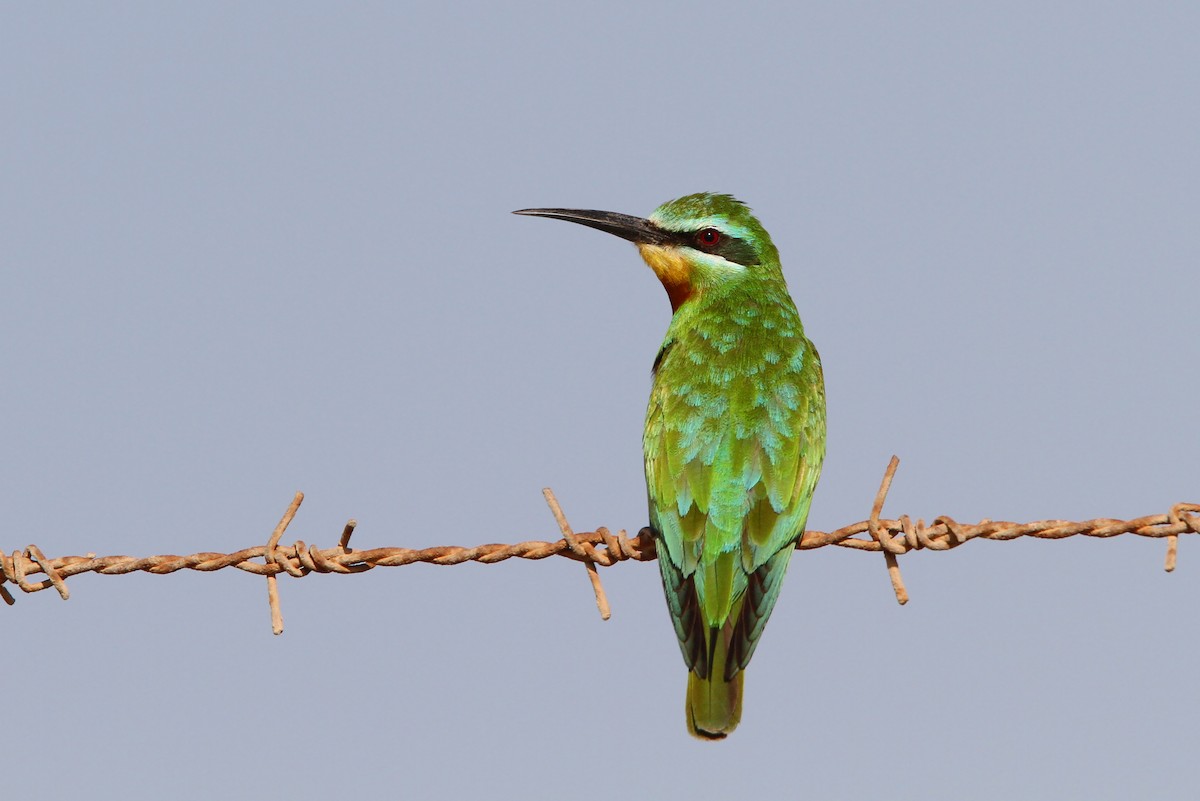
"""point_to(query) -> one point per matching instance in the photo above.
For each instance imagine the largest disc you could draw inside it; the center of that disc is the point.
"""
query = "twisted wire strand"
(599, 548)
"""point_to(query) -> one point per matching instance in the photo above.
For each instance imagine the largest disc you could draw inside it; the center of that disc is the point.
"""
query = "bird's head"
(693, 244)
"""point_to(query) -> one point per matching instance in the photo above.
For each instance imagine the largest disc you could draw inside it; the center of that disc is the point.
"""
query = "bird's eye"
(708, 238)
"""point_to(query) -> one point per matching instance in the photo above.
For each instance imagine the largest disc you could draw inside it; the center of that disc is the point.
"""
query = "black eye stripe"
(738, 251)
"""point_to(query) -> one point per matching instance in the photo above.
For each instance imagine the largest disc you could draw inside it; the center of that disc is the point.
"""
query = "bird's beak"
(636, 229)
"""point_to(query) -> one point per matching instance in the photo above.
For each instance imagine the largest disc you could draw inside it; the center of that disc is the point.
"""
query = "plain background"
(254, 248)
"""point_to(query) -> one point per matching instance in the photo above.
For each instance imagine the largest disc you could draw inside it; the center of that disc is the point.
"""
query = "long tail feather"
(714, 702)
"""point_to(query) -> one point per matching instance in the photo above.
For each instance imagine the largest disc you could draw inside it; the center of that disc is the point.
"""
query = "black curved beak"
(636, 229)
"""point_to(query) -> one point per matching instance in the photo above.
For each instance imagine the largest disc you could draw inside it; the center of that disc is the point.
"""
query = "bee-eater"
(734, 437)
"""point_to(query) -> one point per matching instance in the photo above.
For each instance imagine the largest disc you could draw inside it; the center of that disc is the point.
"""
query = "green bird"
(734, 437)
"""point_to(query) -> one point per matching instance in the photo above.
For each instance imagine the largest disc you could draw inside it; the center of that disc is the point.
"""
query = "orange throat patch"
(672, 269)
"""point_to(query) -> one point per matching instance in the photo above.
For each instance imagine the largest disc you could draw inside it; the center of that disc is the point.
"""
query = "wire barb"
(1179, 516)
(890, 548)
(596, 549)
(577, 549)
(270, 559)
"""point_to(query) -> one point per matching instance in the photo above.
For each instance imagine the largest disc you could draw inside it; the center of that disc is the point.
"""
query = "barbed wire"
(599, 548)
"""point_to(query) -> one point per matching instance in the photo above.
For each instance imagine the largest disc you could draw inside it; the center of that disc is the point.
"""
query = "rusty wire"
(599, 548)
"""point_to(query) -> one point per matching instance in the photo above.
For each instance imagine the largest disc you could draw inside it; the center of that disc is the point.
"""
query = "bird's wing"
(779, 512)
(790, 447)
(674, 535)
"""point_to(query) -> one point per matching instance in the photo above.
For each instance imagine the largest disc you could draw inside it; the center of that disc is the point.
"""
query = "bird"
(734, 437)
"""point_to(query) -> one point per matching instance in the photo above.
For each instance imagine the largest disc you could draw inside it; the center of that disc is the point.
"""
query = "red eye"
(708, 238)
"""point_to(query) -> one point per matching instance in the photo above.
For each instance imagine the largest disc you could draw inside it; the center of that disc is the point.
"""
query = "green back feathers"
(734, 438)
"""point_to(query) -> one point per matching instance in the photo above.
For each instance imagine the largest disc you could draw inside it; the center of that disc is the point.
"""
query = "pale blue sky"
(255, 248)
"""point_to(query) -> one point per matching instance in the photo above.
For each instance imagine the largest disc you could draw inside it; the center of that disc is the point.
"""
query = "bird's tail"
(714, 703)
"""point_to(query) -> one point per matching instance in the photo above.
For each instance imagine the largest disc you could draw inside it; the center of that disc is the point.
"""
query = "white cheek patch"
(713, 265)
